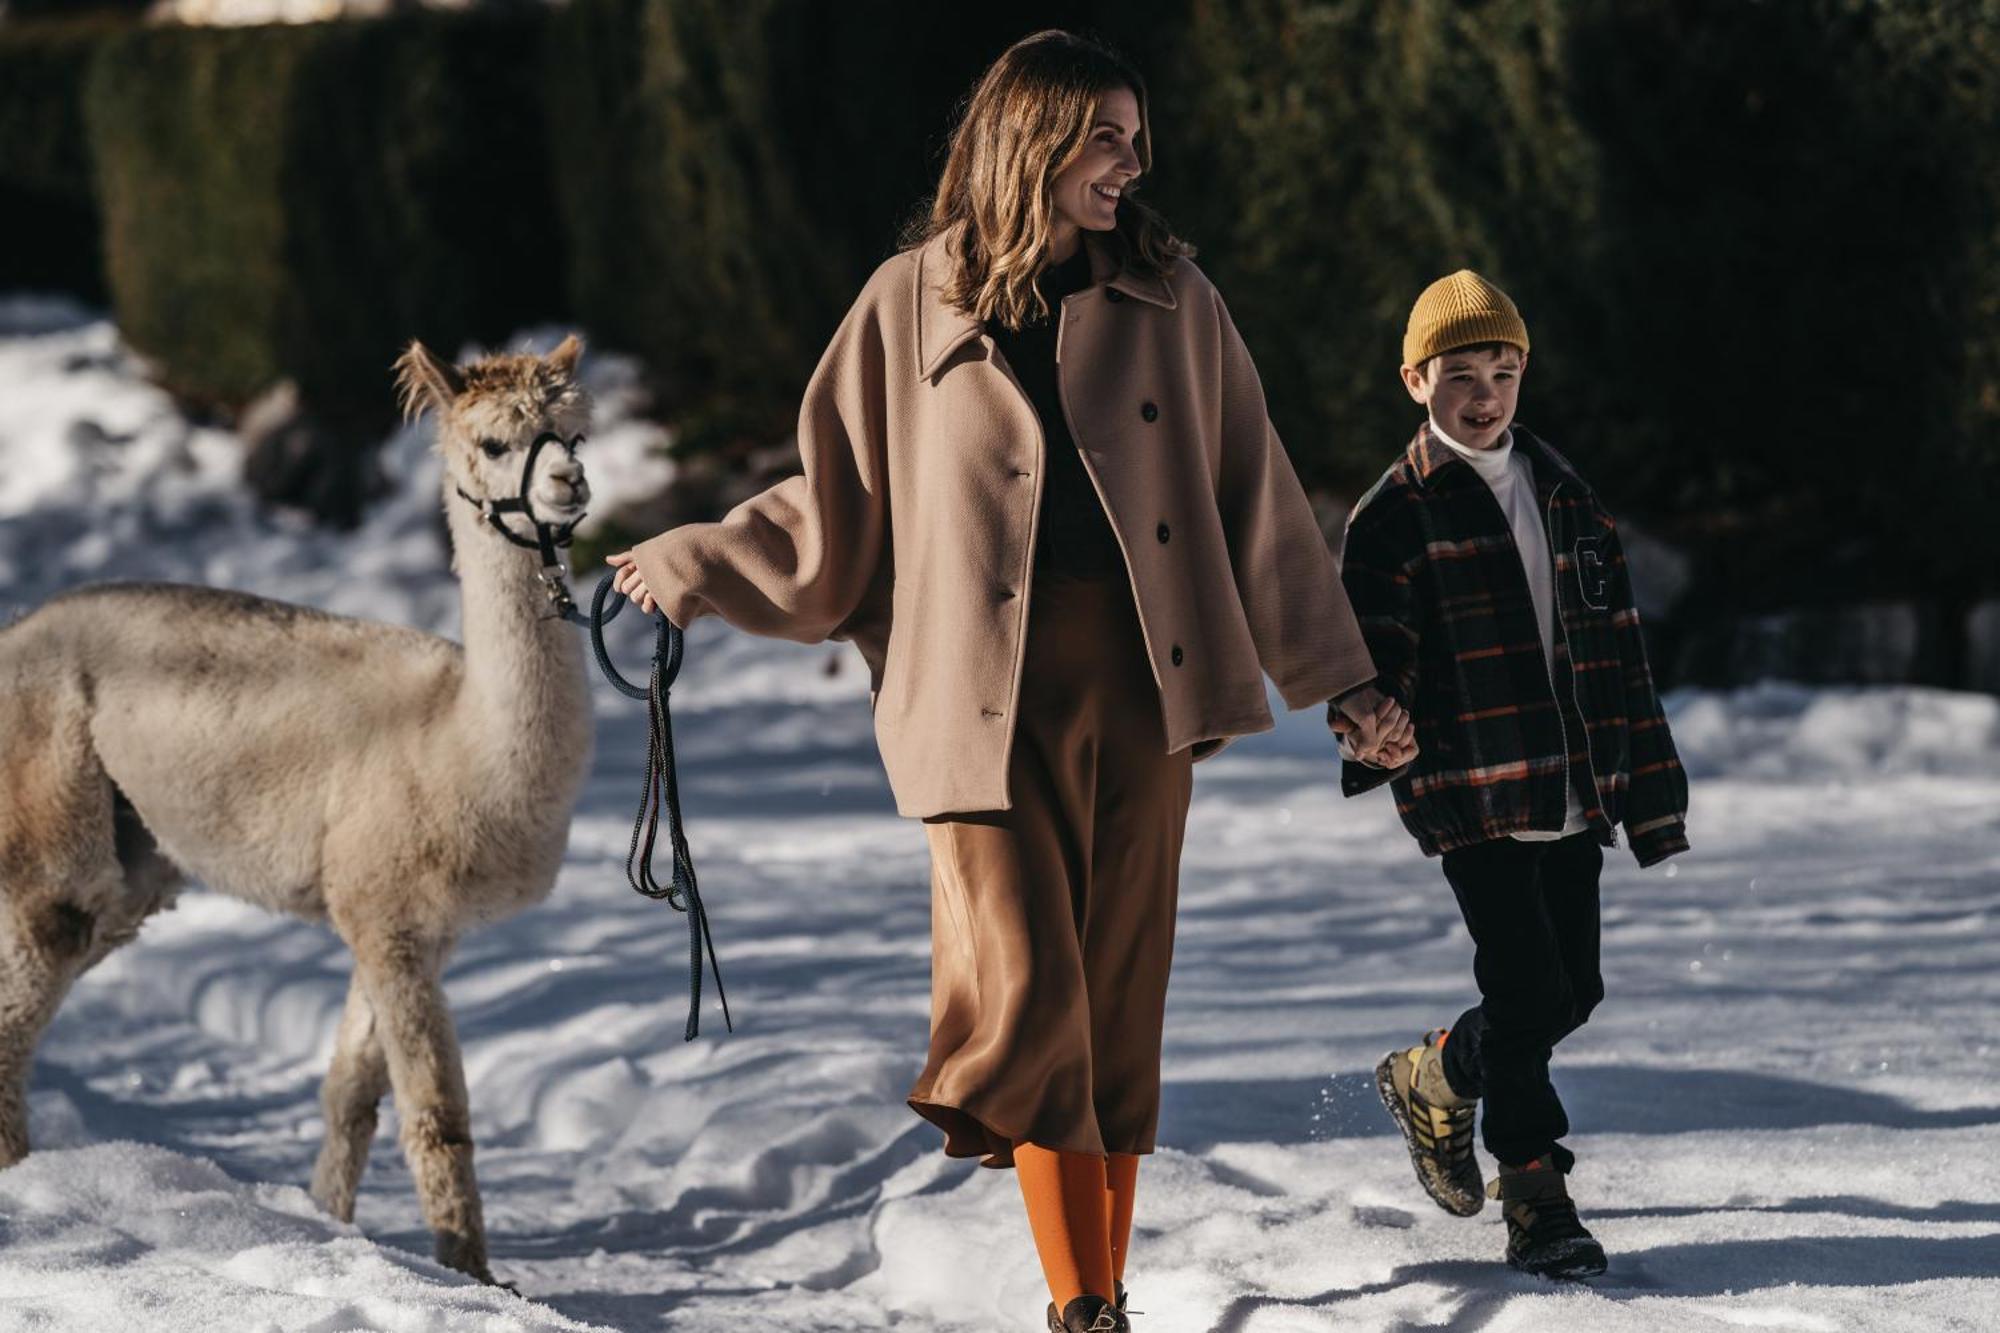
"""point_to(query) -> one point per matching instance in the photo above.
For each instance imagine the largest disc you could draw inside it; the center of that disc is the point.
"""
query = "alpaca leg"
(29, 994)
(415, 1027)
(354, 1087)
(42, 946)
(146, 883)
(47, 942)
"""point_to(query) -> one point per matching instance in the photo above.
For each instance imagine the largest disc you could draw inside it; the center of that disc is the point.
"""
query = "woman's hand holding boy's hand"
(1373, 728)
(629, 581)
(1373, 717)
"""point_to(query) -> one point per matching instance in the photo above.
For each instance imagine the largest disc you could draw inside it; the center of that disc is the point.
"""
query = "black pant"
(1532, 911)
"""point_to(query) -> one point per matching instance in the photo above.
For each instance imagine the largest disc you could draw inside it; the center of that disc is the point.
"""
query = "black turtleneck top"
(1073, 538)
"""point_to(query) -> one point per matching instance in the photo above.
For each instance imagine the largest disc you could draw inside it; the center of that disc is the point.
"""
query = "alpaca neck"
(523, 692)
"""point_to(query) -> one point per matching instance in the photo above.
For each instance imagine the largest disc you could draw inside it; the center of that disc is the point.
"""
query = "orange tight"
(1121, 1180)
(1080, 1209)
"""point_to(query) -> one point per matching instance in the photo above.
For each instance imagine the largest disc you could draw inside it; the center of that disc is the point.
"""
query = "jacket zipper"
(1589, 767)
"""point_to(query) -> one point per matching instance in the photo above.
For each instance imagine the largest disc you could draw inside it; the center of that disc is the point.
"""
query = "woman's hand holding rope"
(629, 582)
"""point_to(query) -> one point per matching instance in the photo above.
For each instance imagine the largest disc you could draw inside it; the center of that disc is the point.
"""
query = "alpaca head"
(491, 411)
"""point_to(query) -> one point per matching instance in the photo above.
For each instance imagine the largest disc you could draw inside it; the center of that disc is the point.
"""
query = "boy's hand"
(1372, 712)
(629, 581)
(1391, 754)
(1393, 742)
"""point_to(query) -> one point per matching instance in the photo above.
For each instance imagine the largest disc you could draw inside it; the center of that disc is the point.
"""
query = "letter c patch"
(1593, 575)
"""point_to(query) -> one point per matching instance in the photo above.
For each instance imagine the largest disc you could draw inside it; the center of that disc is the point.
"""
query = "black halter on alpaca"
(662, 789)
(548, 536)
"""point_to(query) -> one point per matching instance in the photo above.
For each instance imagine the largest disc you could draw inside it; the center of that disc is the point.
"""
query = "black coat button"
(1164, 533)
(1177, 654)
(1149, 412)
(1113, 294)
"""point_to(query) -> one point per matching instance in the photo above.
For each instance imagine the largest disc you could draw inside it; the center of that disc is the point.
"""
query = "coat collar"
(943, 328)
(1429, 456)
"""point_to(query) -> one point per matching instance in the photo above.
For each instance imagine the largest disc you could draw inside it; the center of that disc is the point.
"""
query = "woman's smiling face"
(1085, 193)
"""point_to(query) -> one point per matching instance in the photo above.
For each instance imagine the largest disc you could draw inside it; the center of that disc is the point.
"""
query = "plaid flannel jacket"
(1431, 567)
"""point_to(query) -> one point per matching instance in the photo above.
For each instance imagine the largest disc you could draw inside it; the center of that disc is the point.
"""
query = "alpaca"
(384, 780)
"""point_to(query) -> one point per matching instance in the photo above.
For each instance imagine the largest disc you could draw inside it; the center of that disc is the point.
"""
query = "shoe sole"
(1566, 1267)
(1385, 1088)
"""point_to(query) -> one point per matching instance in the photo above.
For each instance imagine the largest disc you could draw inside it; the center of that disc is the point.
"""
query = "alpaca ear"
(425, 381)
(565, 356)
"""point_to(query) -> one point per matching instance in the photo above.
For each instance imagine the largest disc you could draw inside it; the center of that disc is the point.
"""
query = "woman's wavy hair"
(1029, 117)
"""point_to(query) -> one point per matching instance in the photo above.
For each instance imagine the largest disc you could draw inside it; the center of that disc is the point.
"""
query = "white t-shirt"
(1511, 478)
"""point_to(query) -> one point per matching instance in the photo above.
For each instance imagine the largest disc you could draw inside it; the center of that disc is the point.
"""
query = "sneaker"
(1436, 1124)
(1088, 1314)
(1544, 1236)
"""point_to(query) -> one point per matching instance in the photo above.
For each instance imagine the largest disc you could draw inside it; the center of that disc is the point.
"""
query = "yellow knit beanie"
(1457, 311)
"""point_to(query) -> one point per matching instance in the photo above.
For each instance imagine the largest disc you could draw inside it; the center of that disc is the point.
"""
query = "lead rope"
(661, 794)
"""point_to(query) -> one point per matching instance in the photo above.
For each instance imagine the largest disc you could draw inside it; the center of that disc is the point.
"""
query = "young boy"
(1493, 593)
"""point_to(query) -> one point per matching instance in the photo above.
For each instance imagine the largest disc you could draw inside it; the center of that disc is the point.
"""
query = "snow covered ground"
(1786, 1109)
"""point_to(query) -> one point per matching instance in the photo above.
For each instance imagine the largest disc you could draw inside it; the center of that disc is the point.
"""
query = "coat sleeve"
(795, 561)
(1657, 800)
(1306, 636)
(1381, 585)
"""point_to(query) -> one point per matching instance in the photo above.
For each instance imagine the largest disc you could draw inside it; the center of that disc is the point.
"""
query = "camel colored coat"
(912, 530)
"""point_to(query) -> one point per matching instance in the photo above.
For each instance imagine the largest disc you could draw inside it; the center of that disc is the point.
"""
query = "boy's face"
(1471, 394)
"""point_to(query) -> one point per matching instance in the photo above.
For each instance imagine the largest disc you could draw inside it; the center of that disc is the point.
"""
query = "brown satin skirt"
(1052, 923)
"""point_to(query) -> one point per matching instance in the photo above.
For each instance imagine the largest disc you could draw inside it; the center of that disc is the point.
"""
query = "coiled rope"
(660, 795)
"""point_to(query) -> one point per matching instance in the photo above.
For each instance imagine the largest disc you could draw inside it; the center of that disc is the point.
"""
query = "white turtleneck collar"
(1489, 463)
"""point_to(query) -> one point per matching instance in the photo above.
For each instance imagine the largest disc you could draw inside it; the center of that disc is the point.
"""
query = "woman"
(1042, 496)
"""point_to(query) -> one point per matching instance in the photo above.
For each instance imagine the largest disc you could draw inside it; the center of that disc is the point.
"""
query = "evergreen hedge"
(1758, 245)
(734, 169)
(298, 201)
(1799, 202)
(1344, 155)
(1686, 199)
(1755, 246)
(47, 194)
